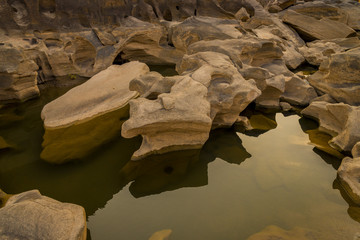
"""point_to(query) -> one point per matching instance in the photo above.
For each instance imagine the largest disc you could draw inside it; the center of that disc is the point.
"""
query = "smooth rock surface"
(298, 91)
(90, 114)
(30, 215)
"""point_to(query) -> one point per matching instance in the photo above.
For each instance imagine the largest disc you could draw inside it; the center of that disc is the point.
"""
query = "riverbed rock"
(72, 122)
(356, 150)
(298, 91)
(311, 28)
(18, 75)
(195, 29)
(161, 235)
(349, 174)
(338, 77)
(30, 215)
(177, 120)
(228, 92)
(338, 120)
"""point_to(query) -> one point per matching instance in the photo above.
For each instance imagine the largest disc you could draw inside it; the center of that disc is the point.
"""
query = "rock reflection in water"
(167, 172)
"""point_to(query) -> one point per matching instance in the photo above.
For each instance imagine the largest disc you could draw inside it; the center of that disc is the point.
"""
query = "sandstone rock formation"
(338, 120)
(338, 77)
(30, 215)
(349, 174)
(176, 113)
(90, 114)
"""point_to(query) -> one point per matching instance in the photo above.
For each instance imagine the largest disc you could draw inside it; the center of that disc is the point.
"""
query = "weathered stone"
(243, 124)
(339, 120)
(298, 91)
(18, 75)
(242, 15)
(72, 122)
(320, 140)
(274, 232)
(338, 77)
(324, 98)
(228, 92)
(30, 215)
(356, 150)
(285, 106)
(349, 175)
(195, 29)
(176, 120)
(311, 28)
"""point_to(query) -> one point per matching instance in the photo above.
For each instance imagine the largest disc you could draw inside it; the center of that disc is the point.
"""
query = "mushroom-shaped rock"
(30, 215)
(90, 114)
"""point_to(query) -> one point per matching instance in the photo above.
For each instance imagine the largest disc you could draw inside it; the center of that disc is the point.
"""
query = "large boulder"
(90, 114)
(311, 28)
(349, 174)
(338, 76)
(30, 215)
(338, 120)
(298, 91)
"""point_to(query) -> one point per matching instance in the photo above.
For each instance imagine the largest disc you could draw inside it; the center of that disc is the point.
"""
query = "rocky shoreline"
(228, 55)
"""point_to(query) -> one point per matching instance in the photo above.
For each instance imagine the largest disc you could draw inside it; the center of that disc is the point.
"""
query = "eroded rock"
(339, 120)
(30, 215)
(338, 77)
(349, 175)
(90, 114)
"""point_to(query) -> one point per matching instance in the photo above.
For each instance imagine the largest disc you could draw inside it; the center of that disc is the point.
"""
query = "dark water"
(234, 187)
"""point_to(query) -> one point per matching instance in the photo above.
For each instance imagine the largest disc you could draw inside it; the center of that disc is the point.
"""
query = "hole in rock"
(119, 60)
(177, 8)
(168, 169)
(167, 15)
(195, 12)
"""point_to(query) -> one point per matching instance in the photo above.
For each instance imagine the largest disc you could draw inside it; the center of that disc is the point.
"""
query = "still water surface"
(234, 187)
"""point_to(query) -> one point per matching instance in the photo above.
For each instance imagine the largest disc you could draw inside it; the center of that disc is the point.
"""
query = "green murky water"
(234, 187)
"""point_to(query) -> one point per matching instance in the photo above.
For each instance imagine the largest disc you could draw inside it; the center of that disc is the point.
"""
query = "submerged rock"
(30, 215)
(90, 114)
(349, 175)
(161, 235)
(274, 232)
(339, 120)
(338, 76)
(4, 144)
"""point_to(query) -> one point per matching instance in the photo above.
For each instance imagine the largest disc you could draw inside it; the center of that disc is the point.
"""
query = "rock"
(72, 122)
(177, 113)
(320, 140)
(356, 150)
(243, 124)
(242, 15)
(324, 98)
(18, 75)
(161, 235)
(176, 120)
(263, 122)
(285, 107)
(298, 91)
(228, 92)
(195, 29)
(274, 232)
(30, 215)
(338, 120)
(311, 28)
(349, 174)
(338, 77)
(3, 198)
(353, 11)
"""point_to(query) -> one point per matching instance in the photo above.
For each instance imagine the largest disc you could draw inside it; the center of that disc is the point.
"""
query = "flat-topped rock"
(89, 115)
(106, 91)
(311, 28)
(30, 215)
